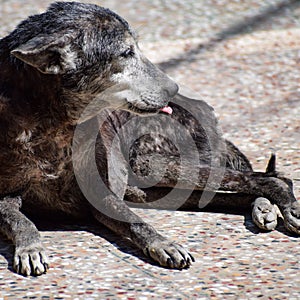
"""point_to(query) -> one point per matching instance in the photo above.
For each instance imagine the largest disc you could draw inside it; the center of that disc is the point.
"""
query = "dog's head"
(94, 55)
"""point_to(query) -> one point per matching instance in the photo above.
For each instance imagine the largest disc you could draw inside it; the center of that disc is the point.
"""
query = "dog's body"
(59, 72)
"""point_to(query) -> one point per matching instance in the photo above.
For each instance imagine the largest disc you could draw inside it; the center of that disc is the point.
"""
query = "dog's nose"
(171, 89)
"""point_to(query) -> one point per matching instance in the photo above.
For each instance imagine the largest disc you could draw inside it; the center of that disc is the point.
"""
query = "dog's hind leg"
(29, 257)
(135, 195)
(277, 189)
(264, 213)
(235, 159)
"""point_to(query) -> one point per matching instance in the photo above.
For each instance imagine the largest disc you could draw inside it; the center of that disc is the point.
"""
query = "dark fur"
(52, 67)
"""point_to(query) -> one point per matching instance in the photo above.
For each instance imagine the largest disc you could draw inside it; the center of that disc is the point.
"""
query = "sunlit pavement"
(243, 58)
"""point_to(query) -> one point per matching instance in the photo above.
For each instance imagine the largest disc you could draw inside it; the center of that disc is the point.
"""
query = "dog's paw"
(264, 214)
(31, 260)
(169, 254)
(291, 217)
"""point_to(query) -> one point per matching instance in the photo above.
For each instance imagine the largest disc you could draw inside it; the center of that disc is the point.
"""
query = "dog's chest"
(34, 157)
(51, 156)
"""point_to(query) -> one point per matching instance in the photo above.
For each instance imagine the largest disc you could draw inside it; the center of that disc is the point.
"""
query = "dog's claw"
(169, 254)
(30, 260)
(170, 263)
(292, 218)
(264, 214)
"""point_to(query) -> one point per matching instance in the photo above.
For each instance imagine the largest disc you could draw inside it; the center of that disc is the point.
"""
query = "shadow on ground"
(249, 24)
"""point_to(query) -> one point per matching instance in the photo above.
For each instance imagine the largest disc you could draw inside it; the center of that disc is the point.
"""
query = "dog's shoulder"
(194, 113)
(194, 106)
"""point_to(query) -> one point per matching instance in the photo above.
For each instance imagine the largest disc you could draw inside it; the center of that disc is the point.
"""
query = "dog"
(87, 121)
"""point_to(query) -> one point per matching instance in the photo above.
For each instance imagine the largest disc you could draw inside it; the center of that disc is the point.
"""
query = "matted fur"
(63, 69)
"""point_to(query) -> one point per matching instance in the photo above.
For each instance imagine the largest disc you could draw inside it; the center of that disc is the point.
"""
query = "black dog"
(62, 150)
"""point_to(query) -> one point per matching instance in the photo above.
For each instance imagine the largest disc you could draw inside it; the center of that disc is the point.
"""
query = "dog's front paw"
(264, 214)
(169, 254)
(31, 260)
(291, 217)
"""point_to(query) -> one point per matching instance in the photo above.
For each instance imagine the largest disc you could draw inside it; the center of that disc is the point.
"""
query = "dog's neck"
(29, 95)
(28, 90)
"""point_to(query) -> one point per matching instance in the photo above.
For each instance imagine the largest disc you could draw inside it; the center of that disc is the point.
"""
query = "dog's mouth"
(150, 111)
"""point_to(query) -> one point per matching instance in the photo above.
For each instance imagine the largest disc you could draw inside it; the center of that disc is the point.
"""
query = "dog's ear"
(49, 54)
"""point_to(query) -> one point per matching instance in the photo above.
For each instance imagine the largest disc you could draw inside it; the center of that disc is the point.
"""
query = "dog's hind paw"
(291, 217)
(169, 254)
(265, 214)
(31, 260)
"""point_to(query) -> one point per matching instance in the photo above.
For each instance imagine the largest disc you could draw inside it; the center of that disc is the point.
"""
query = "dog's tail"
(271, 167)
(271, 171)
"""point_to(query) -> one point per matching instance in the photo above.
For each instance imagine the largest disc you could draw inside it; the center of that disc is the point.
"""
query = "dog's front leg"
(106, 196)
(29, 258)
(119, 218)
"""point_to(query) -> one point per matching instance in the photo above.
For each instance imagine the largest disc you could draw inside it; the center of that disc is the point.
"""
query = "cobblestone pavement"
(242, 57)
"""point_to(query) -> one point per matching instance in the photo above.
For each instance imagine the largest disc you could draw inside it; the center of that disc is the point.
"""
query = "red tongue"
(167, 109)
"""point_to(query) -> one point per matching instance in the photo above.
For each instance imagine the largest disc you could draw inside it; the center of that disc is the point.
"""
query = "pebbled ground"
(243, 58)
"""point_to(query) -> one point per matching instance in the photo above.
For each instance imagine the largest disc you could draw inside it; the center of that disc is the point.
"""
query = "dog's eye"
(128, 52)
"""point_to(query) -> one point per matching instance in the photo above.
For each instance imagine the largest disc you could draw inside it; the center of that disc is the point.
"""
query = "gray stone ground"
(242, 57)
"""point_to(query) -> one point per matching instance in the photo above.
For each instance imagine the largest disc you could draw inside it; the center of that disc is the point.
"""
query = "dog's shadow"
(249, 225)
(122, 244)
(248, 222)
(68, 224)
(6, 251)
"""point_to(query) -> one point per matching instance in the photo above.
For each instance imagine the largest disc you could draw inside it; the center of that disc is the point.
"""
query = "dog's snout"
(171, 89)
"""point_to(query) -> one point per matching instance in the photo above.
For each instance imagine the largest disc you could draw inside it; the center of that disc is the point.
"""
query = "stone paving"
(243, 58)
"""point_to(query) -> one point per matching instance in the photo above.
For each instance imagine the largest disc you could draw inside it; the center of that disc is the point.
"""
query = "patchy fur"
(60, 71)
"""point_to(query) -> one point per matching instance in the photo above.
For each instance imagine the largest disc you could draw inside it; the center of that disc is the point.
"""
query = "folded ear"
(49, 54)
